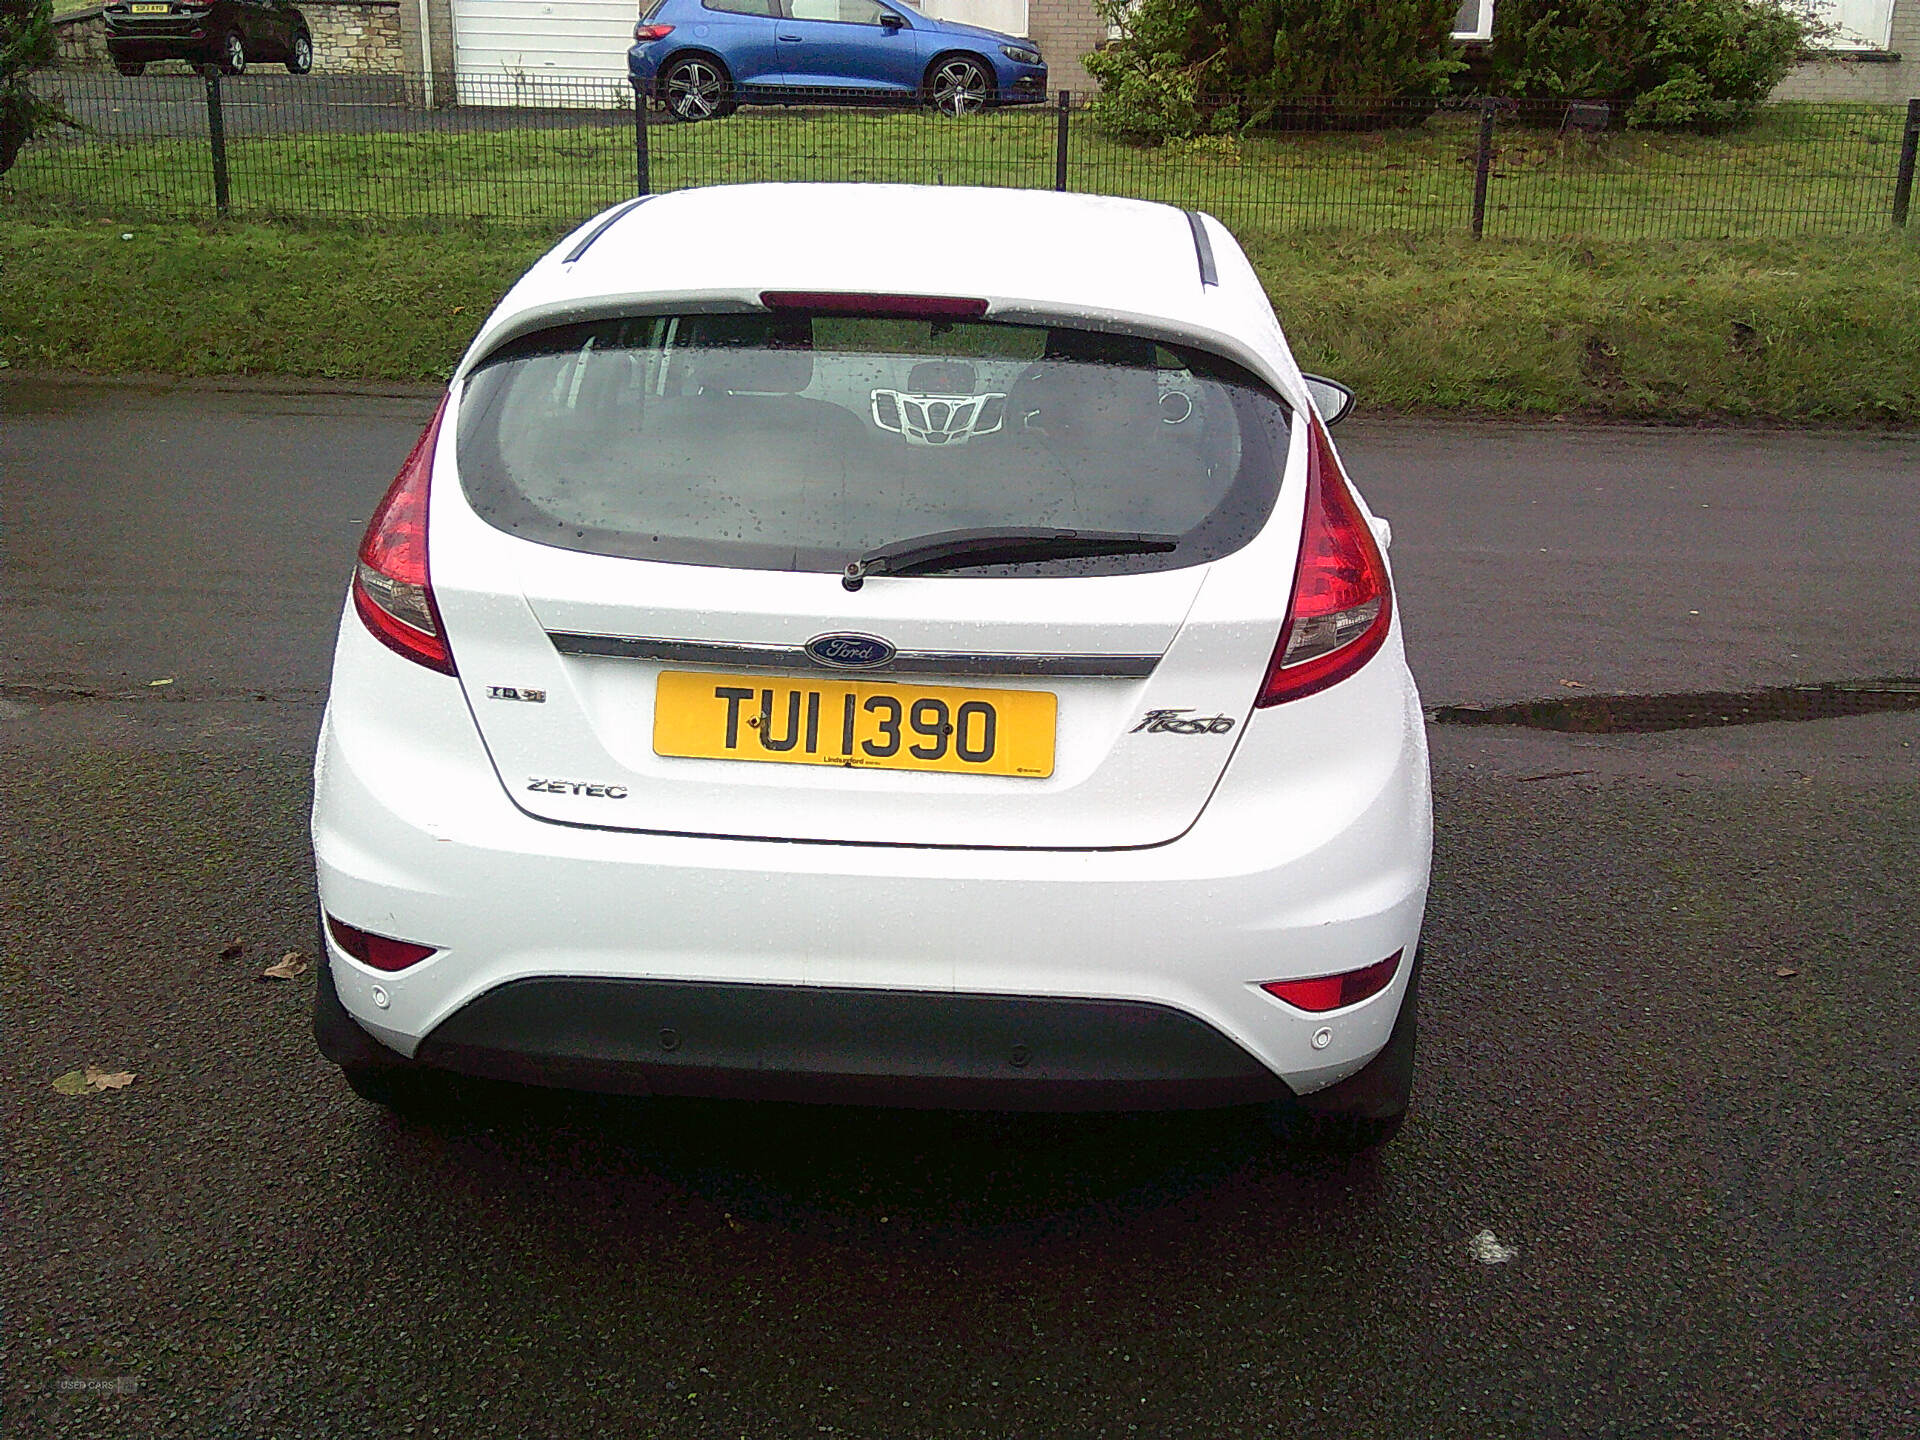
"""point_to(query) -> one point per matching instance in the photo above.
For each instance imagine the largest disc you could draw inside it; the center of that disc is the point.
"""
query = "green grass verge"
(1798, 171)
(1813, 331)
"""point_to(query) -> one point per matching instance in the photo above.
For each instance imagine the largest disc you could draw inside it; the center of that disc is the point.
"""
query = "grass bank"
(1808, 332)
(308, 152)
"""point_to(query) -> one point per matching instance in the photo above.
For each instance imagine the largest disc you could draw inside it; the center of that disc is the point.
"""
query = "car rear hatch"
(643, 575)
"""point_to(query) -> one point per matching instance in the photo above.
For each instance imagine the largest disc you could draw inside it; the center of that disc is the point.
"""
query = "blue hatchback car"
(701, 58)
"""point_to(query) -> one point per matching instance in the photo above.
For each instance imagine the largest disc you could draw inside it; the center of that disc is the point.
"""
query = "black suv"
(227, 33)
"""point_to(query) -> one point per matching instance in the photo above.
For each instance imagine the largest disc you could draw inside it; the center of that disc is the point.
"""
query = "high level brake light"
(1342, 603)
(892, 307)
(391, 587)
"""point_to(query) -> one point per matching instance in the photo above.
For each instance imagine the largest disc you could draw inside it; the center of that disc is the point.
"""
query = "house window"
(1474, 20)
(1852, 24)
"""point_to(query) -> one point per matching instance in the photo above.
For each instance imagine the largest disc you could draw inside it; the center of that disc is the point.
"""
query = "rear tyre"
(1367, 1109)
(130, 67)
(959, 85)
(696, 87)
(233, 53)
(300, 56)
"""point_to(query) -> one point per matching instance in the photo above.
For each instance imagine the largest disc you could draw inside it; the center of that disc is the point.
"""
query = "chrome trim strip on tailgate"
(793, 657)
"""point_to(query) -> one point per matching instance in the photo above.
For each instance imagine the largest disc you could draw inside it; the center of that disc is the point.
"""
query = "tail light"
(644, 33)
(379, 951)
(391, 589)
(1335, 992)
(1342, 603)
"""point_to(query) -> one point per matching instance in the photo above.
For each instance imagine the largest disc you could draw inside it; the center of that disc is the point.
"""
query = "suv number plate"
(858, 724)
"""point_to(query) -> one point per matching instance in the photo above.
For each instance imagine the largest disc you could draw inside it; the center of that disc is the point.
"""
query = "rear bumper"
(864, 972)
(643, 65)
(846, 1046)
(193, 44)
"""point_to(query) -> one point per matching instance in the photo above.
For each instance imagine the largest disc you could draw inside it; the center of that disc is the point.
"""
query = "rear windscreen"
(794, 441)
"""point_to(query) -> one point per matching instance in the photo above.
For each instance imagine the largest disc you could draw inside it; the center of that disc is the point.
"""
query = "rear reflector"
(1334, 992)
(904, 307)
(392, 590)
(379, 951)
(1342, 605)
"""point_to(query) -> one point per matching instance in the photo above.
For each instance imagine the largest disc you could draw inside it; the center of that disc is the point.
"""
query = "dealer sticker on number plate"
(862, 724)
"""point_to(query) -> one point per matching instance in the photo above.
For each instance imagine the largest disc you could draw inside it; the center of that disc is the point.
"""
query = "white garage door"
(543, 52)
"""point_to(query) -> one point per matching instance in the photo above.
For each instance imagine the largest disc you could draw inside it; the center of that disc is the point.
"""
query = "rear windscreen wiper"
(1001, 545)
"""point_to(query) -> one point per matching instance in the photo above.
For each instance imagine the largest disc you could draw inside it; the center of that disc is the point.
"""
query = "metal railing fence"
(547, 152)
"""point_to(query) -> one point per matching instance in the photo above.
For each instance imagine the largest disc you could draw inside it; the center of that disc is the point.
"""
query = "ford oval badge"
(849, 652)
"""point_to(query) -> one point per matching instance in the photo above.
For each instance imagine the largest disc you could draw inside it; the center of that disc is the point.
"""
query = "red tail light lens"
(391, 588)
(1335, 992)
(379, 951)
(651, 32)
(1342, 604)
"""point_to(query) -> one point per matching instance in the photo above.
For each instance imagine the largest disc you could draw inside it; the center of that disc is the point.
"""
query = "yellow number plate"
(864, 724)
(149, 9)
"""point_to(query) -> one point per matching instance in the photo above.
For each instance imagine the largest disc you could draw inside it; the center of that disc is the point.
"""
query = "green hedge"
(1702, 64)
(1190, 67)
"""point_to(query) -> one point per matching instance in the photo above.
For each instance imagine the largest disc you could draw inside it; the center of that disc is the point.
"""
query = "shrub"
(1150, 79)
(26, 45)
(1188, 67)
(1703, 64)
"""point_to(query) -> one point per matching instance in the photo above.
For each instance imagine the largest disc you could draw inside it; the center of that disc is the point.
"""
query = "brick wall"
(1876, 79)
(350, 37)
(440, 47)
(1065, 30)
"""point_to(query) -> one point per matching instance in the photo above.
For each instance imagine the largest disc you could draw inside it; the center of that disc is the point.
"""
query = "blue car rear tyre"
(696, 87)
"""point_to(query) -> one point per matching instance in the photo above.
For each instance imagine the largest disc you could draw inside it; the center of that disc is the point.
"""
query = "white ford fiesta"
(879, 644)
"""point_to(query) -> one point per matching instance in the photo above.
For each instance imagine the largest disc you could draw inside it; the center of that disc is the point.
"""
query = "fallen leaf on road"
(167, 681)
(1785, 972)
(1489, 1251)
(1574, 684)
(231, 950)
(290, 966)
(92, 1080)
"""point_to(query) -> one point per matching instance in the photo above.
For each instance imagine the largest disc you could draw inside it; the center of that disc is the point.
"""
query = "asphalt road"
(1705, 1167)
(205, 535)
(266, 101)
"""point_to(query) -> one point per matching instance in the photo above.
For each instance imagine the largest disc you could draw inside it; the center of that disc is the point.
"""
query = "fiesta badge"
(849, 652)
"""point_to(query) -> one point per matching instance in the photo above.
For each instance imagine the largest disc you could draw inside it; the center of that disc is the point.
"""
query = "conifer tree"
(26, 44)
